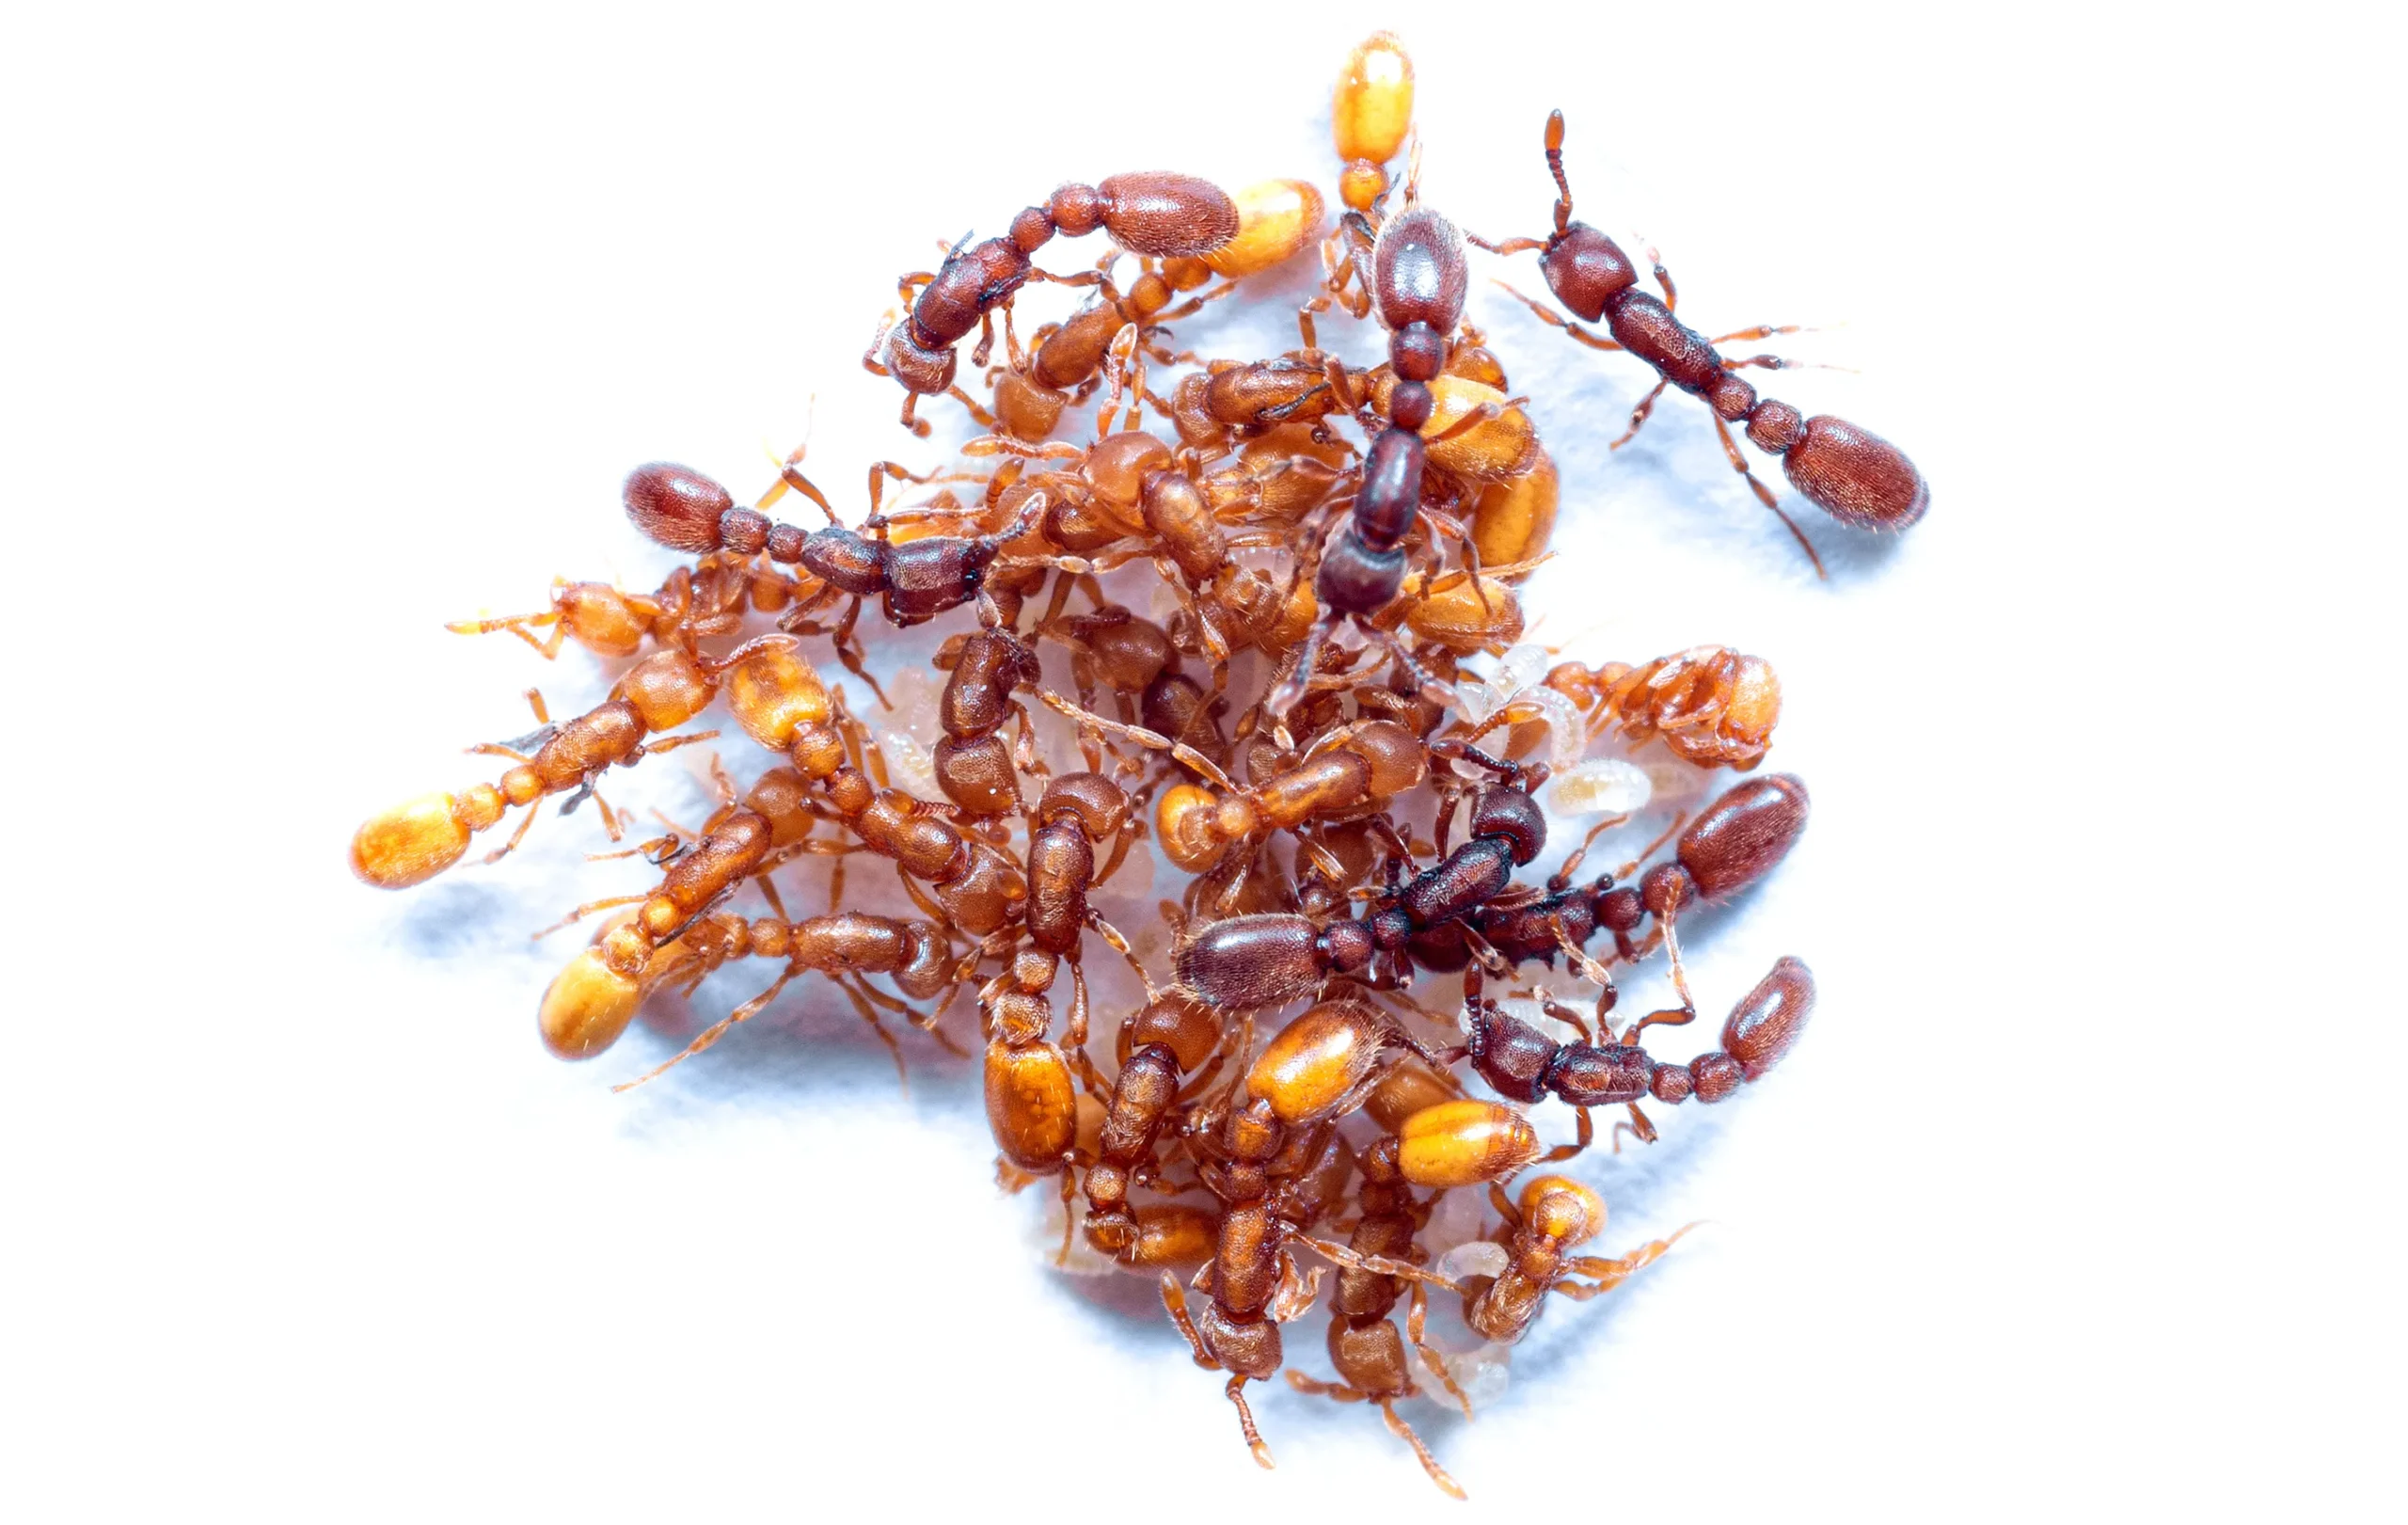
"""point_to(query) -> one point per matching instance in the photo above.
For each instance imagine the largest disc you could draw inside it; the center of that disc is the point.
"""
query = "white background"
(323, 326)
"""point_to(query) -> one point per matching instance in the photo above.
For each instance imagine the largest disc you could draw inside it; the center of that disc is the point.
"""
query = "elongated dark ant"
(1852, 474)
(1257, 961)
(1161, 215)
(1523, 1064)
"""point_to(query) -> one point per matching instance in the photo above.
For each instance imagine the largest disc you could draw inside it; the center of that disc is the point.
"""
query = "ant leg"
(1236, 1389)
(1085, 278)
(1679, 819)
(1639, 1127)
(1377, 1264)
(1588, 1135)
(1553, 320)
(659, 852)
(1504, 1205)
(1151, 740)
(1119, 945)
(769, 893)
(1195, 304)
(1427, 687)
(850, 652)
(1762, 330)
(712, 1033)
(1562, 1014)
(1417, 1321)
(1402, 1431)
(1322, 860)
(1763, 494)
(1175, 1304)
(1121, 842)
(1511, 245)
(613, 822)
(928, 908)
(1572, 864)
(1198, 1082)
(869, 1014)
(1116, 370)
(1578, 959)
(515, 837)
(1613, 1273)
(1334, 1390)
(797, 620)
(978, 415)
(1664, 278)
(1680, 983)
(1012, 353)
(586, 909)
(516, 625)
(1484, 413)
(1074, 1038)
(1639, 415)
(1056, 601)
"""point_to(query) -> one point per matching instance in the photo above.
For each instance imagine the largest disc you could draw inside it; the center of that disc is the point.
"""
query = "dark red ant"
(916, 580)
(1154, 214)
(1523, 1064)
(1267, 961)
(1852, 474)
(1420, 278)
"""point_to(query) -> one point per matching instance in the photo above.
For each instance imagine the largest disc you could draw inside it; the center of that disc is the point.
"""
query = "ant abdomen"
(1854, 475)
(1419, 272)
(1466, 1143)
(1311, 1065)
(1741, 837)
(1167, 215)
(1032, 1104)
(1252, 963)
(1766, 1024)
(676, 505)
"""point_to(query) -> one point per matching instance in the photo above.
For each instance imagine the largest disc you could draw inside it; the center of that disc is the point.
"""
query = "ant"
(1317, 1069)
(782, 705)
(1267, 961)
(421, 837)
(1852, 474)
(1161, 214)
(588, 1006)
(1521, 1063)
(1364, 1345)
(1030, 1105)
(1714, 707)
(1347, 770)
(1556, 1215)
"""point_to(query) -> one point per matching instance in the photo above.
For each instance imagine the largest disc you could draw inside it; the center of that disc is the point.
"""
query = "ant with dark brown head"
(1852, 474)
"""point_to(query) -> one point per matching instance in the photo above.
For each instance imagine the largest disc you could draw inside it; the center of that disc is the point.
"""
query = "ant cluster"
(1365, 578)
